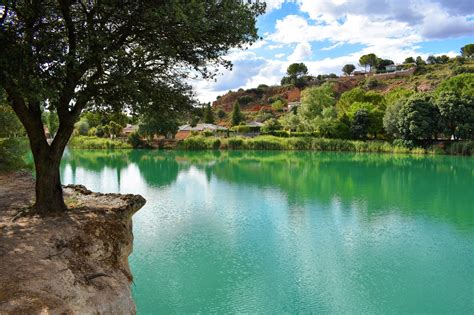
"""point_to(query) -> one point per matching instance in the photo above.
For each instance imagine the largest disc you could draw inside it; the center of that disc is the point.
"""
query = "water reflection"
(434, 187)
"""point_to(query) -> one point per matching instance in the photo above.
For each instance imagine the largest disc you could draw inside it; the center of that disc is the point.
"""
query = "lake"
(274, 232)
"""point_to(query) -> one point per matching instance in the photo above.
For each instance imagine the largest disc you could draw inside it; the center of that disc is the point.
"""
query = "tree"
(208, 114)
(468, 51)
(271, 125)
(297, 70)
(70, 55)
(418, 118)
(115, 129)
(409, 60)
(368, 60)
(314, 100)
(360, 124)
(394, 100)
(382, 63)
(419, 61)
(431, 60)
(221, 114)
(236, 116)
(348, 69)
(456, 114)
(296, 75)
(278, 105)
(462, 84)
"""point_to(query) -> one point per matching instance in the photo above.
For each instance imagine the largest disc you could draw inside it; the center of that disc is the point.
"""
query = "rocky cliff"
(71, 263)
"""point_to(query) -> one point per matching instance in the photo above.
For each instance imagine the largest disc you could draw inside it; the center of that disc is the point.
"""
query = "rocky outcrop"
(72, 263)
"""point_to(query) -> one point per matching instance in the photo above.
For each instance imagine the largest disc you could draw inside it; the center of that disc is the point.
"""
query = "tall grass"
(87, 142)
(200, 143)
(267, 142)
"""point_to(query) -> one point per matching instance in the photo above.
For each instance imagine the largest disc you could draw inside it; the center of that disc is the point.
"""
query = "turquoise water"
(293, 232)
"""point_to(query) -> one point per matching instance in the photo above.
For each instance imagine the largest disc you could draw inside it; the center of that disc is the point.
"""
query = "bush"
(235, 143)
(12, 153)
(241, 129)
(371, 83)
(86, 142)
(200, 143)
(135, 140)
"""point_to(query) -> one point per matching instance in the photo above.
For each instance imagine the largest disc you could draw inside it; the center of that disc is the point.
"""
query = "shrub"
(135, 140)
(12, 153)
(371, 83)
(86, 142)
(235, 143)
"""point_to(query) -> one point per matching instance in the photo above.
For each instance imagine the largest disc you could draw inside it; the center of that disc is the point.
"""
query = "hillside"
(422, 79)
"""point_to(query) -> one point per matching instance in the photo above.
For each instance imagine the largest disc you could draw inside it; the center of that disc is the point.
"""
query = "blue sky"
(327, 34)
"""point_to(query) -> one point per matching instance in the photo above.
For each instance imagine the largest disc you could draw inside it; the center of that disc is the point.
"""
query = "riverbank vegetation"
(322, 144)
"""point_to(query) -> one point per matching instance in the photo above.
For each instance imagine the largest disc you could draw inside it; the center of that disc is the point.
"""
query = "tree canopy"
(468, 51)
(69, 55)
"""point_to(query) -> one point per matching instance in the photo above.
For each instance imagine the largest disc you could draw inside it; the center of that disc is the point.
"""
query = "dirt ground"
(70, 263)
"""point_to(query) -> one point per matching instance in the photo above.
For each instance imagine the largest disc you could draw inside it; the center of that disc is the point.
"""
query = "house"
(391, 68)
(129, 129)
(359, 72)
(185, 131)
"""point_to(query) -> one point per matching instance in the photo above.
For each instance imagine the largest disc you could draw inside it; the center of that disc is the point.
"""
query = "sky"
(327, 34)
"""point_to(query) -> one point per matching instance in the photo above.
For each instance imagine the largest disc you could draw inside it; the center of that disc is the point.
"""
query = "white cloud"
(278, 56)
(302, 51)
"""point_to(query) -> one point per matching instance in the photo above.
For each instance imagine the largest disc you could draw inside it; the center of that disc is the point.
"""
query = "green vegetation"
(317, 144)
(91, 142)
(122, 65)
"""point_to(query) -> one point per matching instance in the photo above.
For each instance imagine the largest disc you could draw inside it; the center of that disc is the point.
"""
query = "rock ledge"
(70, 263)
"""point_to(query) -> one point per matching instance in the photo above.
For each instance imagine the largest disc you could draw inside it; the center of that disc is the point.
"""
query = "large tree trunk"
(49, 192)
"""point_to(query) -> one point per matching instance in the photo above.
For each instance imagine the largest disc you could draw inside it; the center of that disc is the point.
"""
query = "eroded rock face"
(73, 263)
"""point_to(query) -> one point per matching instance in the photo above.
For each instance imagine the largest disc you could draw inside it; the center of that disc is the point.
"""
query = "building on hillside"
(185, 131)
(391, 68)
(129, 129)
(359, 72)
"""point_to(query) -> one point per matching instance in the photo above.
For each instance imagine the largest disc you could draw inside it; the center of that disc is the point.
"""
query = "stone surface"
(72, 263)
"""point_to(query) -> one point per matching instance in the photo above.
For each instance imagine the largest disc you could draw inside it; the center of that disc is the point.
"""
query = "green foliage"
(51, 120)
(359, 95)
(278, 105)
(241, 129)
(82, 127)
(290, 122)
(115, 128)
(221, 114)
(244, 100)
(208, 114)
(12, 153)
(368, 60)
(360, 123)
(456, 115)
(200, 143)
(418, 118)
(468, 51)
(135, 140)
(271, 125)
(409, 60)
(460, 85)
(371, 83)
(314, 100)
(236, 116)
(348, 69)
(10, 126)
(297, 70)
(86, 142)
(296, 75)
